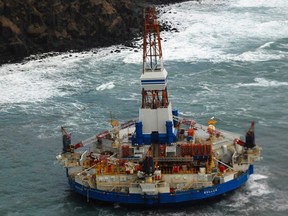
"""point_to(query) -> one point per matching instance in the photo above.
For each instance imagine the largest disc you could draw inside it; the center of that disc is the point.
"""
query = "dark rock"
(38, 26)
(174, 29)
(17, 48)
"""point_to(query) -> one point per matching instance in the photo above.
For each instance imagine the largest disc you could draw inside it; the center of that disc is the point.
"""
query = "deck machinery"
(160, 158)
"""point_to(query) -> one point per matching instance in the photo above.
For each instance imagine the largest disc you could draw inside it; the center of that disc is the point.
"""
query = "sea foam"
(262, 82)
(104, 86)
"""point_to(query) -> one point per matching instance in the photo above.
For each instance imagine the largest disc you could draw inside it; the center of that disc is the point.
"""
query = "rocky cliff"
(36, 26)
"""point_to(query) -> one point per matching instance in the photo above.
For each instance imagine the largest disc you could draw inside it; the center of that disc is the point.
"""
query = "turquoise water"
(228, 60)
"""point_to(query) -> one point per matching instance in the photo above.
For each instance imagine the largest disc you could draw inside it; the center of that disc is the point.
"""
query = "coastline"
(40, 27)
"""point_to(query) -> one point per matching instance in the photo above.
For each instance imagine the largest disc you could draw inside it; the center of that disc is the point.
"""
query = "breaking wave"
(199, 37)
(109, 85)
(262, 82)
(34, 81)
(205, 35)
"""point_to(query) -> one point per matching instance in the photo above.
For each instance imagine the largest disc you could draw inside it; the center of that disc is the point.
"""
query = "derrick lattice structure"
(154, 93)
(152, 52)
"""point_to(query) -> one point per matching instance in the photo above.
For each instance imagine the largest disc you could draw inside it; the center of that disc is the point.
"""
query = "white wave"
(268, 44)
(259, 189)
(205, 87)
(133, 57)
(259, 55)
(109, 85)
(262, 82)
(129, 99)
(31, 83)
(207, 34)
(260, 3)
(186, 114)
(40, 79)
(256, 187)
(132, 97)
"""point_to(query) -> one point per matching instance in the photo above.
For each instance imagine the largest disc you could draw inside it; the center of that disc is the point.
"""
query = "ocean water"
(229, 59)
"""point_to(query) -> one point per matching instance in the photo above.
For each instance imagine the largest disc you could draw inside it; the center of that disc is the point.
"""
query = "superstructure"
(160, 158)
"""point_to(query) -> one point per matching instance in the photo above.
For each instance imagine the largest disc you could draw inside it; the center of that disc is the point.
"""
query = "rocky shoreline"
(30, 27)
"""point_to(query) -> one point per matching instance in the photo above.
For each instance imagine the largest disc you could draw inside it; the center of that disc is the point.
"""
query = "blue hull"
(163, 198)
